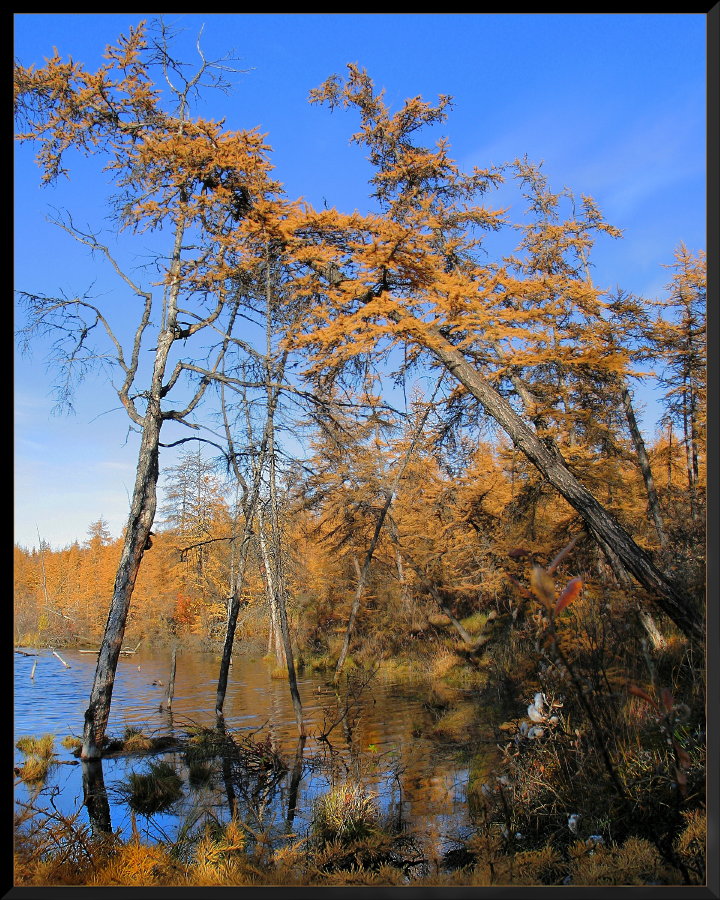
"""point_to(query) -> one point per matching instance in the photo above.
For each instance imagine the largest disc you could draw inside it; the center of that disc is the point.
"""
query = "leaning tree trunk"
(137, 533)
(233, 610)
(604, 527)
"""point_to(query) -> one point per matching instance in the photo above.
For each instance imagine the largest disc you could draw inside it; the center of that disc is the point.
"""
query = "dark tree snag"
(233, 610)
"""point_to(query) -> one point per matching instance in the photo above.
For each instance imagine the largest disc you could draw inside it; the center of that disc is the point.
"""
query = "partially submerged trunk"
(233, 610)
(137, 533)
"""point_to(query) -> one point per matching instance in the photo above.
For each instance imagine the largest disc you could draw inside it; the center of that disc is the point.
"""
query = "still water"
(380, 740)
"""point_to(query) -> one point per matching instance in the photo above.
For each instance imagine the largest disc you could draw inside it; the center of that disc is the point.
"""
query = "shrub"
(344, 814)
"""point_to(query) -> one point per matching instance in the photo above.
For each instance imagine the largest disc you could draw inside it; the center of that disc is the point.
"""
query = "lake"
(381, 739)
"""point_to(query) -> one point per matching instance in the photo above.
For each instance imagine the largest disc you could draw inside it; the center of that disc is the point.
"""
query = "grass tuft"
(346, 813)
(153, 791)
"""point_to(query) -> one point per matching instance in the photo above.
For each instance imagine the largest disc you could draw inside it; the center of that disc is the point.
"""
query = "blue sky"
(614, 106)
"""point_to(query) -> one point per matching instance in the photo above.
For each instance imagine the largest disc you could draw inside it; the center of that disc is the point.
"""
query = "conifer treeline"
(462, 508)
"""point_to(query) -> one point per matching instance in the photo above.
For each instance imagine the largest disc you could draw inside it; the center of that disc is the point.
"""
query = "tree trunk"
(274, 371)
(171, 682)
(362, 574)
(643, 460)
(603, 526)
(274, 633)
(137, 532)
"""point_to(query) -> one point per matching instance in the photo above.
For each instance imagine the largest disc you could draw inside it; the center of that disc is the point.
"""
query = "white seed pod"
(534, 714)
(539, 701)
(553, 720)
(573, 820)
(536, 732)
(523, 728)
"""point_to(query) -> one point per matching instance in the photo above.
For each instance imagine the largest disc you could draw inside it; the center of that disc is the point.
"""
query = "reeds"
(39, 756)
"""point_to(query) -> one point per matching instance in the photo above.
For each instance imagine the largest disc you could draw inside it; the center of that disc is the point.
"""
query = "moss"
(322, 663)
(475, 623)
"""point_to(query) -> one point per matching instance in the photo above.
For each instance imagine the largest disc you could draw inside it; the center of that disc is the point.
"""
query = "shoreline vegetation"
(548, 809)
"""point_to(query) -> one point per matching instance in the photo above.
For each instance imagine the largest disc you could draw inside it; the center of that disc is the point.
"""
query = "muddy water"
(380, 739)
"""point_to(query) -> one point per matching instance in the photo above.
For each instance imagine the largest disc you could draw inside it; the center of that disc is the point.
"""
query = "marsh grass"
(456, 724)
(153, 791)
(134, 741)
(200, 774)
(345, 813)
(39, 756)
(42, 747)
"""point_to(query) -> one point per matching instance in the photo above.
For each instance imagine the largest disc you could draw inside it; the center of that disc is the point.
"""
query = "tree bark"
(274, 633)
(142, 514)
(171, 682)
(644, 461)
(603, 526)
(278, 574)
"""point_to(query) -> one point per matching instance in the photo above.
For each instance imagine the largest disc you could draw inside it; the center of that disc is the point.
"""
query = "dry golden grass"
(455, 724)
(134, 741)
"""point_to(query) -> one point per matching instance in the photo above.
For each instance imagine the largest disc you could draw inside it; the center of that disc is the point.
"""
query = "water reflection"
(369, 734)
(95, 797)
